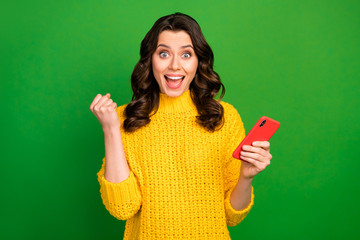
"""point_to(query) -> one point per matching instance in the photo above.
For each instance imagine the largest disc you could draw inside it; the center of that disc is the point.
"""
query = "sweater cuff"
(234, 216)
(123, 192)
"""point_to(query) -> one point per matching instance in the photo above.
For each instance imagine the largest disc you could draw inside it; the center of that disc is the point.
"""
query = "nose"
(174, 64)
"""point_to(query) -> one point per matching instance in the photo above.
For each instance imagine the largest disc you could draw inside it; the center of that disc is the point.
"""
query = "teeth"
(174, 78)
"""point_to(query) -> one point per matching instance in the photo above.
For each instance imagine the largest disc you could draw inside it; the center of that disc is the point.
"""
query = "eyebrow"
(163, 45)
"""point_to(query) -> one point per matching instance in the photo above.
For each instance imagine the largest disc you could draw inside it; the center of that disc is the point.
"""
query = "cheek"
(191, 67)
(156, 73)
(154, 65)
(158, 67)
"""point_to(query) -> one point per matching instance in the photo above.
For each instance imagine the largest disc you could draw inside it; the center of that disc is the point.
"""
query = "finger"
(259, 150)
(106, 106)
(255, 156)
(263, 144)
(95, 101)
(101, 101)
(259, 165)
(107, 102)
(248, 160)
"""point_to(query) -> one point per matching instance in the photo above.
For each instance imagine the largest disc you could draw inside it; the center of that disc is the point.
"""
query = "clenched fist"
(104, 109)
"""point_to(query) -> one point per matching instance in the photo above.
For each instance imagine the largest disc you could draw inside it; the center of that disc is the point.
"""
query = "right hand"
(105, 111)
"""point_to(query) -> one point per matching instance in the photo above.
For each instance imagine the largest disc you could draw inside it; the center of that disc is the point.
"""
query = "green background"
(294, 61)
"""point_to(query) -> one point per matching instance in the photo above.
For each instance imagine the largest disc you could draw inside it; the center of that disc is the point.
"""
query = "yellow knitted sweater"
(181, 175)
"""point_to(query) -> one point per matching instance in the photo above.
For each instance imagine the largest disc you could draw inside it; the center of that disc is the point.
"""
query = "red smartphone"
(262, 131)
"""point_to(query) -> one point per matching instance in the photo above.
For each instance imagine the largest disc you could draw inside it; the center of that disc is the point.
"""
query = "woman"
(168, 168)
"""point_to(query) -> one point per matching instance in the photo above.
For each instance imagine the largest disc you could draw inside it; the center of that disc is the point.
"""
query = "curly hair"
(204, 87)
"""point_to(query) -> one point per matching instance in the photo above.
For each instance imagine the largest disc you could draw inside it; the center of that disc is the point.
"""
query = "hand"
(255, 158)
(105, 111)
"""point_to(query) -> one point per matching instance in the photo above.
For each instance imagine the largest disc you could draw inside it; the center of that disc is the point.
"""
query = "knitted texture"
(181, 175)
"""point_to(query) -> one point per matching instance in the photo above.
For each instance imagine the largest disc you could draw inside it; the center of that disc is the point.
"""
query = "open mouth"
(174, 82)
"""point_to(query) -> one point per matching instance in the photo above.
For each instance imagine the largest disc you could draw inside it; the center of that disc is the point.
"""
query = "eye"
(163, 54)
(186, 55)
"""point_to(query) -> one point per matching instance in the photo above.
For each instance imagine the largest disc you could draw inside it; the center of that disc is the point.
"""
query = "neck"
(182, 103)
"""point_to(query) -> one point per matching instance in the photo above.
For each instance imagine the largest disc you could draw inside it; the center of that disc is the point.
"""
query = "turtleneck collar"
(182, 103)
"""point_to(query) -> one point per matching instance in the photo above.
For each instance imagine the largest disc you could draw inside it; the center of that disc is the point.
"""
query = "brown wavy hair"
(204, 87)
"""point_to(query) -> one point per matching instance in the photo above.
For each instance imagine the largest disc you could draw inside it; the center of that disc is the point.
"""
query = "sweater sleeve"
(232, 168)
(123, 199)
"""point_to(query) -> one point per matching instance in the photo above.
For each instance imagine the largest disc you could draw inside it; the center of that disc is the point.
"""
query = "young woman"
(168, 167)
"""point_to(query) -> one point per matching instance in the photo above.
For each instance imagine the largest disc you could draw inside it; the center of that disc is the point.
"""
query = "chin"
(173, 92)
(176, 93)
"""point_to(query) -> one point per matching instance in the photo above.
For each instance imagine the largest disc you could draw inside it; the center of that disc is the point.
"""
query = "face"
(174, 62)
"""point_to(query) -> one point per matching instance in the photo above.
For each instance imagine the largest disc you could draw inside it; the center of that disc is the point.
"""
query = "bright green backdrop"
(294, 61)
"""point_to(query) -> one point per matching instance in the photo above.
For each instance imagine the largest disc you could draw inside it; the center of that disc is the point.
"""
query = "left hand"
(255, 158)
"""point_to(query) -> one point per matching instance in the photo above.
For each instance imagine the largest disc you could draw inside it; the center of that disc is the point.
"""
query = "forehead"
(174, 38)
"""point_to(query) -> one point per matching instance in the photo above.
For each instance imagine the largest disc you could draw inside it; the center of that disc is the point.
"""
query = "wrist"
(111, 130)
(246, 179)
